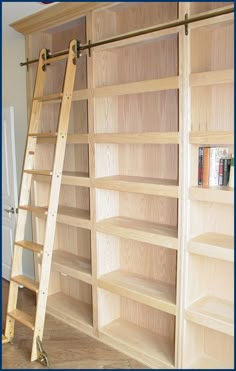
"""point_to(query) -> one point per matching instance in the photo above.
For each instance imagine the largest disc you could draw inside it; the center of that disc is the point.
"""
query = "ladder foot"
(42, 355)
(43, 359)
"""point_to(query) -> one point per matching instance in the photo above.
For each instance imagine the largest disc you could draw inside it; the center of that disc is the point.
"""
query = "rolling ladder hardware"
(36, 322)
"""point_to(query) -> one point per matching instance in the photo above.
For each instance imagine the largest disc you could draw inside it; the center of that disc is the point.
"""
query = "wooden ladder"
(41, 288)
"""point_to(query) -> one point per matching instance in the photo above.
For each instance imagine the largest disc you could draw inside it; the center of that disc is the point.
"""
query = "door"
(9, 190)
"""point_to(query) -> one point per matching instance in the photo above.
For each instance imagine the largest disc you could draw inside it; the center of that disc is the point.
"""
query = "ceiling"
(13, 11)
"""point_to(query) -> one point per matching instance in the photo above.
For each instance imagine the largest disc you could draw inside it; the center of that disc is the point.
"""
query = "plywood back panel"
(127, 17)
(137, 113)
(137, 62)
(211, 106)
(161, 210)
(76, 289)
(149, 160)
(147, 317)
(152, 262)
(73, 240)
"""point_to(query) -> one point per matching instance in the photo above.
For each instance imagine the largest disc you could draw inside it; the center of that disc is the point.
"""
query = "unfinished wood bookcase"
(143, 257)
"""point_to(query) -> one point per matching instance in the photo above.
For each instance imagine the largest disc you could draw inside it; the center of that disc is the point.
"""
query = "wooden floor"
(67, 348)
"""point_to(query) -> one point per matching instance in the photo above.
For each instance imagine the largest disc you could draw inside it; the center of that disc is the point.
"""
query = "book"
(226, 171)
(200, 165)
(231, 175)
(206, 165)
(216, 153)
(221, 172)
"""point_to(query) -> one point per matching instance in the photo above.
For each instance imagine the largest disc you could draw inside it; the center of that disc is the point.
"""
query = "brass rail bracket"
(186, 24)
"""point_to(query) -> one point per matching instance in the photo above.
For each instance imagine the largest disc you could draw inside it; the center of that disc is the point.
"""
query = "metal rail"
(145, 31)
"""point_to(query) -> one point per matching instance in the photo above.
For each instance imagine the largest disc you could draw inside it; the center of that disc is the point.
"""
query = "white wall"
(14, 89)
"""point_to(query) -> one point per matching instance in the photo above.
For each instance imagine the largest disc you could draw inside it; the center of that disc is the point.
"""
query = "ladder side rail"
(24, 194)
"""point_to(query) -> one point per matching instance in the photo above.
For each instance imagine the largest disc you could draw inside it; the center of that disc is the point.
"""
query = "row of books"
(215, 167)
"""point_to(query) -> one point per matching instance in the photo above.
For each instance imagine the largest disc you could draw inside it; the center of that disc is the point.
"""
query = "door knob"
(11, 210)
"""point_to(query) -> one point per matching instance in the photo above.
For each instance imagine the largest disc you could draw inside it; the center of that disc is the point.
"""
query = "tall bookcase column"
(184, 156)
(208, 323)
(90, 73)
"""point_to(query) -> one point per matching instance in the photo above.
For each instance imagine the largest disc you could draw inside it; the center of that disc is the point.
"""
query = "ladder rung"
(34, 209)
(22, 317)
(27, 282)
(38, 172)
(43, 135)
(35, 247)
(48, 98)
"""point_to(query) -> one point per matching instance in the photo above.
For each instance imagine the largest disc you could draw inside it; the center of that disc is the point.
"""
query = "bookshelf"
(209, 307)
(134, 229)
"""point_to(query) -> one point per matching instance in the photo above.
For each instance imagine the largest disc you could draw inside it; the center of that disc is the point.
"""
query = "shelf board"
(211, 137)
(38, 172)
(71, 139)
(212, 78)
(50, 98)
(206, 362)
(82, 94)
(138, 138)
(69, 310)
(150, 186)
(34, 209)
(144, 345)
(139, 230)
(156, 294)
(168, 83)
(73, 216)
(73, 265)
(224, 195)
(213, 245)
(76, 178)
(214, 313)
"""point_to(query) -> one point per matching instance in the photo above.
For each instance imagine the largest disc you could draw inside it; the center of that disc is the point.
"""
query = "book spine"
(200, 165)
(231, 176)
(213, 168)
(226, 171)
(206, 164)
(221, 172)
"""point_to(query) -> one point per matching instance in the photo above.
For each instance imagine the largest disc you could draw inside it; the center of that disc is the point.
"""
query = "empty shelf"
(213, 245)
(167, 83)
(211, 137)
(38, 172)
(22, 317)
(73, 216)
(26, 282)
(74, 266)
(35, 247)
(48, 98)
(139, 230)
(148, 347)
(76, 178)
(138, 138)
(212, 78)
(43, 135)
(34, 209)
(214, 313)
(216, 194)
(71, 139)
(152, 186)
(153, 293)
(77, 313)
